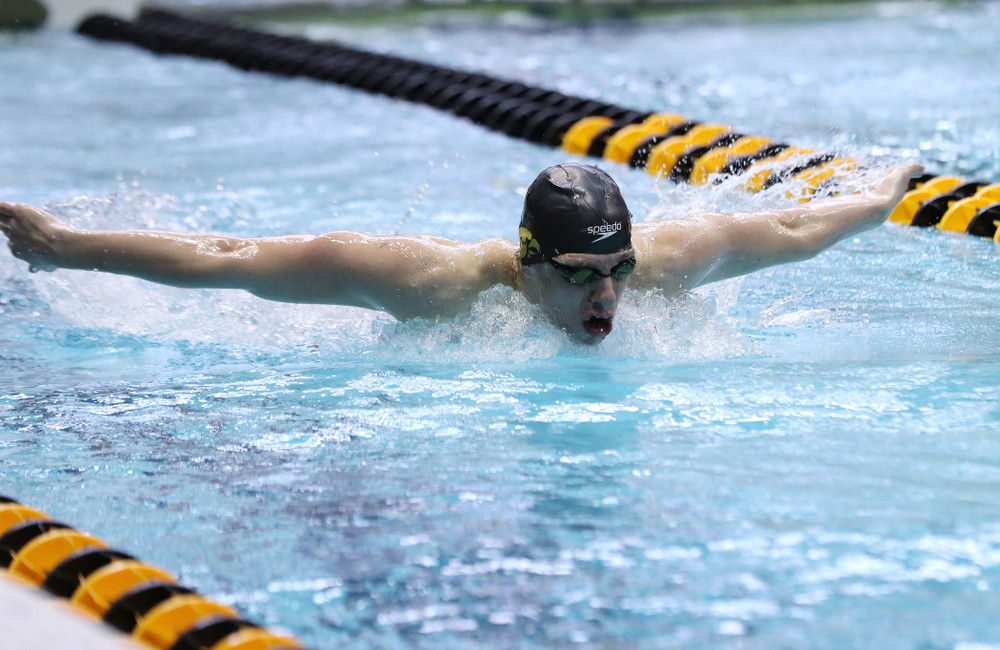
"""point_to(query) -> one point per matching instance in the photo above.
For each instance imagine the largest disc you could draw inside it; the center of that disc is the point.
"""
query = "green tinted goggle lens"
(583, 275)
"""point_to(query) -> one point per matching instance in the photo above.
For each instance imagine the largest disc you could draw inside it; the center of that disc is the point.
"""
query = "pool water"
(806, 457)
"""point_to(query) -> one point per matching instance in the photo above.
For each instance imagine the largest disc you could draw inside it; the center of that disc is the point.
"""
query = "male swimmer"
(578, 252)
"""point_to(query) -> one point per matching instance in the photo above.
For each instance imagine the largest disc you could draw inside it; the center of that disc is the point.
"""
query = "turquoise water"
(807, 457)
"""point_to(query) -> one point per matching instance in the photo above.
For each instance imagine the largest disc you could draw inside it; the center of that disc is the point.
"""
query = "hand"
(893, 185)
(33, 235)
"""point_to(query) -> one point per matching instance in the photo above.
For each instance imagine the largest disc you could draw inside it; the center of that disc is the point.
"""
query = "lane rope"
(135, 598)
(666, 145)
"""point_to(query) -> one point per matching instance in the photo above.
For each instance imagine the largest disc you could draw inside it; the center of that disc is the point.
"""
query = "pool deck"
(33, 620)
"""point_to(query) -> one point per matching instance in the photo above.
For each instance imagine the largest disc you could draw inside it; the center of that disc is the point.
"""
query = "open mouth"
(597, 326)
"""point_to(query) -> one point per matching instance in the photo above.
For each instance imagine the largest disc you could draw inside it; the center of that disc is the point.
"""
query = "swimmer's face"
(586, 310)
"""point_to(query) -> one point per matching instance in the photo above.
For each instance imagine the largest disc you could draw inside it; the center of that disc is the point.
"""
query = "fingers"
(20, 219)
(6, 214)
(911, 169)
(15, 224)
(6, 218)
(901, 176)
(897, 179)
(9, 213)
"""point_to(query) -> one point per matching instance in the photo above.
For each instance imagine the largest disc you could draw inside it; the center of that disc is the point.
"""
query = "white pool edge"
(31, 619)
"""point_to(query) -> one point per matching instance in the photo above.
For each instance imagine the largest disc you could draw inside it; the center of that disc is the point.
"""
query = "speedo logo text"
(604, 231)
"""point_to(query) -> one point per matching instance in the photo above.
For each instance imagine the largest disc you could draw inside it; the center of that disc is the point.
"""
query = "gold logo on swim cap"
(529, 245)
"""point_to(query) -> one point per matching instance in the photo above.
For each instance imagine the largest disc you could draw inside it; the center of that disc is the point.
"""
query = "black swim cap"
(573, 208)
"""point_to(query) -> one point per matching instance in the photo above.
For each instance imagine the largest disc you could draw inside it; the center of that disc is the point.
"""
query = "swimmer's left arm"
(685, 253)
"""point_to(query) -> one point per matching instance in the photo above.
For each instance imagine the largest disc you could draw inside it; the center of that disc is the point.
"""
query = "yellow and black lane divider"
(665, 144)
(138, 599)
(952, 204)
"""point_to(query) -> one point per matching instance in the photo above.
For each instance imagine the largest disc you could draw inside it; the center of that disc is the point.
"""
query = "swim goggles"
(584, 275)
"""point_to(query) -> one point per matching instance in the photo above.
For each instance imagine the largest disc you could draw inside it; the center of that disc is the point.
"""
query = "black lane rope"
(664, 144)
(111, 586)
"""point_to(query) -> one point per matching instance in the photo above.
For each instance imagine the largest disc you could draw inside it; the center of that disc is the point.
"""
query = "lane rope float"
(138, 599)
(665, 144)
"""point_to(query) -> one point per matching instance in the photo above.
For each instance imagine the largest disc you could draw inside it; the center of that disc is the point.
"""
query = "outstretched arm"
(407, 276)
(685, 253)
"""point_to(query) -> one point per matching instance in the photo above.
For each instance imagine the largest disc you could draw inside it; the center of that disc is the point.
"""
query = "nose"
(602, 293)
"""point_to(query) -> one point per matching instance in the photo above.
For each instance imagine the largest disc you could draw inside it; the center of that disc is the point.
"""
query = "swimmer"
(578, 252)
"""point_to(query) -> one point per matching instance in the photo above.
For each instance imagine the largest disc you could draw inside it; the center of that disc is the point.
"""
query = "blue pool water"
(805, 458)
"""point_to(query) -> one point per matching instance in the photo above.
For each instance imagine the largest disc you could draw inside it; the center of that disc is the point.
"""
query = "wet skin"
(421, 276)
(584, 311)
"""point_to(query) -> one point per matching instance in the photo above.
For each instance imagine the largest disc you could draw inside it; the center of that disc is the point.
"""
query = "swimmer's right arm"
(406, 276)
(182, 260)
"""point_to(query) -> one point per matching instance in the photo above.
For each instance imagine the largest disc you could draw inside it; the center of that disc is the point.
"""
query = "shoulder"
(448, 275)
(671, 254)
(494, 260)
(468, 268)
